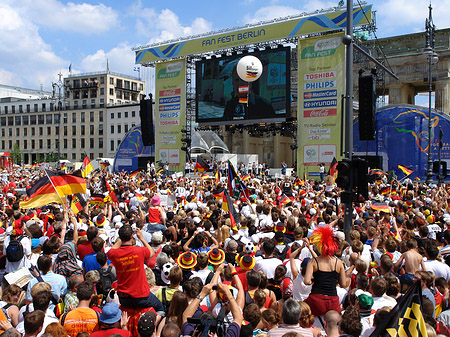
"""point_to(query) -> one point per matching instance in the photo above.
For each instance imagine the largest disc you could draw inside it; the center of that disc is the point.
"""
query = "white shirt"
(25, 262)
(268, 266)
(383, 301)
(300, 291)
(438, 268)
(48, 319)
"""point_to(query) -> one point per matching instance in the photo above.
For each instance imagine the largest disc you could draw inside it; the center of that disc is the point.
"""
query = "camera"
(208, 324)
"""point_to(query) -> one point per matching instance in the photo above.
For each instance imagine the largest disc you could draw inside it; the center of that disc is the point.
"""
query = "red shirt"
(109, 332)
(129, 264)
(84, 249)
(242, 276)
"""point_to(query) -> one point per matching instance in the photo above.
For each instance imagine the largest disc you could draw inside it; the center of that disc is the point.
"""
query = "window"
(102, 102)
(11, 121)
(126, 128)
(6, 109)
(74, 143)
(100, 116)
(33, 144)
(25, 132)
(102, 80)
(74, 156)
(100, 143)
(118, 142)
(65, 143)
(74, 130)
(57, 130)
(3, 121)
(3, 145)
(25, 144)
(41, 131)
(91, 116)
(83, 130)
(25, 120)
(111, 91)
(52, 106)
(91, 129)
(49, 143)
(141, 86)
(65, 118)
(102, 91)
(28, 108)
(56, 119)
(112, 146)
(133, 125)
(65, 130)
(93, 100)
(111, 80)
(36, 108)
(119, 115)
(82, 142)
(49, 130)
(33, 131)
(112, 115)
(43, 106)
(83, 117)
(41, 119)
(18, 120)
(17, 132)
(74, 117)
(119, 128)
(126, 114)
(48, 119)
(91, 143)
(20, 109)
(112, 128)
(33, 119)
(13, 109)
(100, 129)
(75, 104)
(10, 144)
(41, 144)
(3, 133)
(133, 113)
(10, 132)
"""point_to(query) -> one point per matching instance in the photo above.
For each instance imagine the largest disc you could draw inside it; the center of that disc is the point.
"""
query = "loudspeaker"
(367, 107)
(146, 115)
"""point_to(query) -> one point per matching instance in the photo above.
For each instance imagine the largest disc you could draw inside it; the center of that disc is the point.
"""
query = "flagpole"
(64, 205)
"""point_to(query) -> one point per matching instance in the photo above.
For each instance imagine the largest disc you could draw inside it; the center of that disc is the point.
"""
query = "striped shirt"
(285, 328)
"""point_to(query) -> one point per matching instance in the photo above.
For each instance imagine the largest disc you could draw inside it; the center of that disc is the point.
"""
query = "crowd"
(171, 258)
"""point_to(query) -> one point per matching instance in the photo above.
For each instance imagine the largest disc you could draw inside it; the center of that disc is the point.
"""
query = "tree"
(16, 155)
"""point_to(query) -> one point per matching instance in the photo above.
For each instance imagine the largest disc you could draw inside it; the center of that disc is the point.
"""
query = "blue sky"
(40, 38)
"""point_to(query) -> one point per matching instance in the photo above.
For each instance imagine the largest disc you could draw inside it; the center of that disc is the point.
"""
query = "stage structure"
(197, 81)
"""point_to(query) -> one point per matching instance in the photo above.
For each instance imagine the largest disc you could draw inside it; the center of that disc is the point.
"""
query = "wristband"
(233, 273)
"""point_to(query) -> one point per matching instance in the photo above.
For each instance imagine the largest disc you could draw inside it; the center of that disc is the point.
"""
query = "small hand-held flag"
(333, 167)
(201, 165)
(405, 170)
(86, 167)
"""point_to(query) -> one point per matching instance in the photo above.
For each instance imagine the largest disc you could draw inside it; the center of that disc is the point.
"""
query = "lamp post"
(58, 97)
(433, 58)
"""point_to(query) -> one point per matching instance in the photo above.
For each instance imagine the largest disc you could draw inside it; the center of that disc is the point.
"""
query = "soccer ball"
(166, 269)
(249, 248)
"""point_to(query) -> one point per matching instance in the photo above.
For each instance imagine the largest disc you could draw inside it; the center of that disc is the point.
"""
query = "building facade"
(75, 123)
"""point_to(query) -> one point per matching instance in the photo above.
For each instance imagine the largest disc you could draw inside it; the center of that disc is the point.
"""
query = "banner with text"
(170, 102)
(321, 83)
(303, 25)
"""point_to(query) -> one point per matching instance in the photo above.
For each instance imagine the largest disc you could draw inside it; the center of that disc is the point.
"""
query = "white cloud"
(25, 59)
(81, 18)
(164, 25)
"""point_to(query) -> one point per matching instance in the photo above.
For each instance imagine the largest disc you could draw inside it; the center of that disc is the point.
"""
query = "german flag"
(234, 216)
(243, 100)
(284, 200)
(217, 175)
(138, 196)
(169, 192)
(86, 167)
(152, 186)
(405, 170)
(245, 178)
(160, 171)
(77, 203)
(111, 194)
(381, 208)
(333, 167)
(406, 318)
(52, 188)
(201, 165)
(385, 190)
(134, 174)
(219, 193)
(104, 164)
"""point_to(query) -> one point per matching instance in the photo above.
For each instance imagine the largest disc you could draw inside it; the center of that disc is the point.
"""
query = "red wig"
(326, 242)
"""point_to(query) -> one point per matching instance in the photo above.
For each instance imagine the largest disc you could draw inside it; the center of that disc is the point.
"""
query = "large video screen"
(223, 98)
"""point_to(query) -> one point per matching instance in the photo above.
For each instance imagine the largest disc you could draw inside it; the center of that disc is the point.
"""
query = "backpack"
(165, 302)
(14, 251)
(106, 281)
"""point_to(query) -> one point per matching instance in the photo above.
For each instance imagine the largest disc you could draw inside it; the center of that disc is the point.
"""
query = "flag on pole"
(160, 171)
(137, 68)
(107, 65)
(219, 193)
(152, 186)
(333, 167)
(86, 167)
(217, 175)
(406, 318)
(405, 170)
(52, 188)
(284, 200)
(70, 69)
(201, 165)
(381, 208)
(227, 205)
